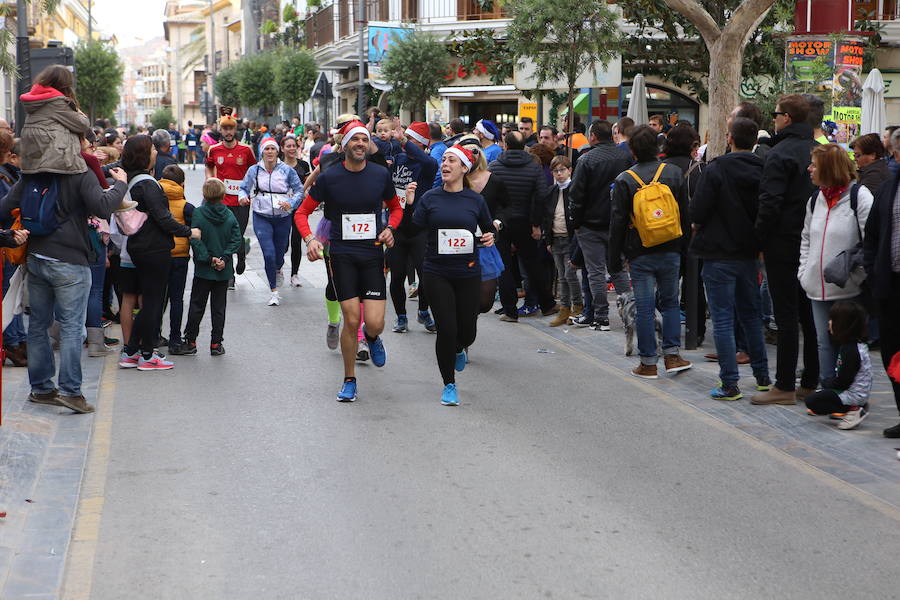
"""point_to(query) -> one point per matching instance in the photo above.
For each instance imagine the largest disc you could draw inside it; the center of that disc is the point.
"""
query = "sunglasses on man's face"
(775, 113)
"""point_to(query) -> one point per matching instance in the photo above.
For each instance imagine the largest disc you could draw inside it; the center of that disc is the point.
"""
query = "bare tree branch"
(748, 16)
(694, 12)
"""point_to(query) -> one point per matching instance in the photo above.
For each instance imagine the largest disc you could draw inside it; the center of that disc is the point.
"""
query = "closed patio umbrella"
(873, 110)
(637, 105)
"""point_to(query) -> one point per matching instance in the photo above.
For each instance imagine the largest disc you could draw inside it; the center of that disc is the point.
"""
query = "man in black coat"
(527, 187)
(881, 245)
(589, 200)
(784, 193)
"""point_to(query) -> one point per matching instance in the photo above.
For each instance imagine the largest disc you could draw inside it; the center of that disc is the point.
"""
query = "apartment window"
(470, 10)
(344, 9)
(409, 10)
(199, 84)
(378, 10)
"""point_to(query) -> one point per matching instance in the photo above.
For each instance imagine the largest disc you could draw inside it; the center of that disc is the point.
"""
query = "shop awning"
(580, 104)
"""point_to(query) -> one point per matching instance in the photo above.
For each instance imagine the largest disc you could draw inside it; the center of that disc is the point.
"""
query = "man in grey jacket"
(589, 198)
(59, 281)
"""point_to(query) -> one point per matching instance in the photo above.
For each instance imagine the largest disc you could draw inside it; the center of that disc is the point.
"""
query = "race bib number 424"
(232, 187)
(358, 227)
(455, 241)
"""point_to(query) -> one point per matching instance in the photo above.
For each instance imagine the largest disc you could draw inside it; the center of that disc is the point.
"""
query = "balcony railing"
(320, 28)
(876, 10)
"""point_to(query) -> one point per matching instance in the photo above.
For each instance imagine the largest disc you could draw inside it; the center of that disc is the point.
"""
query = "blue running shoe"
(348, 391)
(461, 360)
(425, 319)
(377, 352)
(402, 325)
(448, 397)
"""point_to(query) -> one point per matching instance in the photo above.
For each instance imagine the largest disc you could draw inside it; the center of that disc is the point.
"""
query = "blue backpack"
(39, 203)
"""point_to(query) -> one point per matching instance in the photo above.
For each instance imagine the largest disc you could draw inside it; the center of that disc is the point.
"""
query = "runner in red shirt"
(229, 161)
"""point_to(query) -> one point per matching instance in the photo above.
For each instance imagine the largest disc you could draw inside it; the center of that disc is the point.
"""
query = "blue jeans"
(65, 287)
(652, 275)
(95, 298)
(273, 234)
(14, 334)
(827, 352)
(732, 295)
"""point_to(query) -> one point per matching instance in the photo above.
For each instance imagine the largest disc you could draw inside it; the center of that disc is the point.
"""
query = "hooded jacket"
(220, 238)
(526, 184)
(827, 232)
(182, 211)
(784, 190)
(50, 134)
(623, 237)
(589, 194)
(79, 196)
(259, 185)
(874, 175)
(155, 235)
(724, 207)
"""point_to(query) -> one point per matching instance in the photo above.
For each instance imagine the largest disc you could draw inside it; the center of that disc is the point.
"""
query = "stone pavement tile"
(51, 516)
(6, 558)
(49, 542)
(861, 457)
(32, 575)
(63, 457)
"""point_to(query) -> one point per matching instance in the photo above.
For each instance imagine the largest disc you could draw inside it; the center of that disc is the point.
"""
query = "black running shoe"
(216, 349)
(241, 264)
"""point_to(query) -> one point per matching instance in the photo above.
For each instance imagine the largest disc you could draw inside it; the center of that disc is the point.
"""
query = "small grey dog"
(628, 312)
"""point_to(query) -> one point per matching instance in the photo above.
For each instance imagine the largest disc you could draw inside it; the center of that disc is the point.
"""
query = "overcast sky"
(133, 21)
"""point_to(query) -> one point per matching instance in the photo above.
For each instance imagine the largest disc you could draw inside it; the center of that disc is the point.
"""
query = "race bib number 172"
(358, 227)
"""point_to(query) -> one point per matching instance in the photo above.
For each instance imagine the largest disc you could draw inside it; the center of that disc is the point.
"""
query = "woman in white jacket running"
(835, 222)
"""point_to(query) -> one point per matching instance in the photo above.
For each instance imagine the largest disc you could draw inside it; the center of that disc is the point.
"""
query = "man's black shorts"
(358, 277)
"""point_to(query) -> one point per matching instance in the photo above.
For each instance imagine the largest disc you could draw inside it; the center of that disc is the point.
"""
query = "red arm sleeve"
(396, 212)
(301, 216)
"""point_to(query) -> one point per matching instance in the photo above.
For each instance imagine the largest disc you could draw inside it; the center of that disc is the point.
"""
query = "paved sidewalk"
(42, 455)
(861, 457)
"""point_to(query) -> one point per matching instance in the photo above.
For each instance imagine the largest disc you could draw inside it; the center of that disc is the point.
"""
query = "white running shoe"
(295, 281)
(279, 279)
(853, 418)
(275, 299)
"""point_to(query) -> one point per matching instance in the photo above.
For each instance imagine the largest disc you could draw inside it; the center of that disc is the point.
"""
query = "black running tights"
(455, 304)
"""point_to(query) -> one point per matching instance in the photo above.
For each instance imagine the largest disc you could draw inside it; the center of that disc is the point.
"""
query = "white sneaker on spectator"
(295, 281)
(279, 279)
(853, 418)
(275, 299)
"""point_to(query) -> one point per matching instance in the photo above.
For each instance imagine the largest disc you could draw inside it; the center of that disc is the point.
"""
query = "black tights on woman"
(454, 304)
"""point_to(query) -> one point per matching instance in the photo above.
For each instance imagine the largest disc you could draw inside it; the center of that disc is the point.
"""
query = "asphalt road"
(557, 477)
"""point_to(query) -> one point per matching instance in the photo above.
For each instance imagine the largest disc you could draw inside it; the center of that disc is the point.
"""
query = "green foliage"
(474, 47)
(227, 86)
(557, 100)
(295, 75)
(415, 68)
(99, 75)
(8, 38)
(293, 29)
(161, 119)
(268, 28)
(255, 80)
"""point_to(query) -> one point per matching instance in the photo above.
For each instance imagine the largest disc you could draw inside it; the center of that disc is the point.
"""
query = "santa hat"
(268, 142)
(419, 131)
(463, 154)
(488, 129)
(352, 128)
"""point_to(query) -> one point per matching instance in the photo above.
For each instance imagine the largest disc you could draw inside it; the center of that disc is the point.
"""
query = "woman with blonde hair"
(493, 190)
(835, 222)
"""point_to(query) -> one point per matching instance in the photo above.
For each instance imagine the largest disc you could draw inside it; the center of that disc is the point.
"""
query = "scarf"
(833, 194)
(564, 184)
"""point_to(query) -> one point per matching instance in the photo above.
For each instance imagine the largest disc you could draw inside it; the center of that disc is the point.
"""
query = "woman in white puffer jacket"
(831, 226)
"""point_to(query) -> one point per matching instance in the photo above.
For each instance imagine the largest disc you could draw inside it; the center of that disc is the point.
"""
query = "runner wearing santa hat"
(411, 165)
(451, 216)
(229, 161)
(354, 193)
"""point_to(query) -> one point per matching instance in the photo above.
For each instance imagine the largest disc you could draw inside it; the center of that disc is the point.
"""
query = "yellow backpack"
(655, 212)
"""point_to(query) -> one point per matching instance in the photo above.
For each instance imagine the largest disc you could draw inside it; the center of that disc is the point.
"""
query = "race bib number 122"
(455, 241)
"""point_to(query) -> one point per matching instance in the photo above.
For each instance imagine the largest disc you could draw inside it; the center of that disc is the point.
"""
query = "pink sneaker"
(129, 361)
(154, 363)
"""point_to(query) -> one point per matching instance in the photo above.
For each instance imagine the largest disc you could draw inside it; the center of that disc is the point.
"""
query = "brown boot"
(803, 392)
(742, 358)
(675, 364)
(561, 318)
(645, 371)
(17, 355)
(44, 398)
(774, 396)
(577, 309)
(551, 311)
(76, 403)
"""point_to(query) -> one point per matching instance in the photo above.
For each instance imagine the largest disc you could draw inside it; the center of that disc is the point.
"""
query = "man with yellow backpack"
(650, 228)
